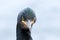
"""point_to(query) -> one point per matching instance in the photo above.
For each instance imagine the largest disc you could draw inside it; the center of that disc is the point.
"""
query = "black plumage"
(23, 31)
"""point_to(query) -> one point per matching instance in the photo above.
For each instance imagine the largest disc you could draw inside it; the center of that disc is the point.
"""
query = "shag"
(26, 18)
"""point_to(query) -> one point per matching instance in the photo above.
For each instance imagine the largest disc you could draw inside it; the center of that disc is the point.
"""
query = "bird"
(25, 20)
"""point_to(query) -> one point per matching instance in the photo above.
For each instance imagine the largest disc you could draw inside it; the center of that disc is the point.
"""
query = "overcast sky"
(47, 26)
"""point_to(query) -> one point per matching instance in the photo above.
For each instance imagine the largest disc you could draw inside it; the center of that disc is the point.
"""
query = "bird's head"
(26, 18)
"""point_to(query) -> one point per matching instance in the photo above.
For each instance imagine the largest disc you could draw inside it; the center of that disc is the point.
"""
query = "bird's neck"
(23, 33)
(21, 29)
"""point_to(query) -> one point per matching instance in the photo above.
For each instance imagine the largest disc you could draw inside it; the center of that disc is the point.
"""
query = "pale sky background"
(47, 26)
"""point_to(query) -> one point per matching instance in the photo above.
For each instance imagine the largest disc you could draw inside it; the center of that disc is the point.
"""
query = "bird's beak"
(29, 24)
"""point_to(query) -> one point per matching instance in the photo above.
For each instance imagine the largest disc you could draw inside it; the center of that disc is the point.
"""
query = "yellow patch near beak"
(28, 23)
(24, 22)
(32, 22)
